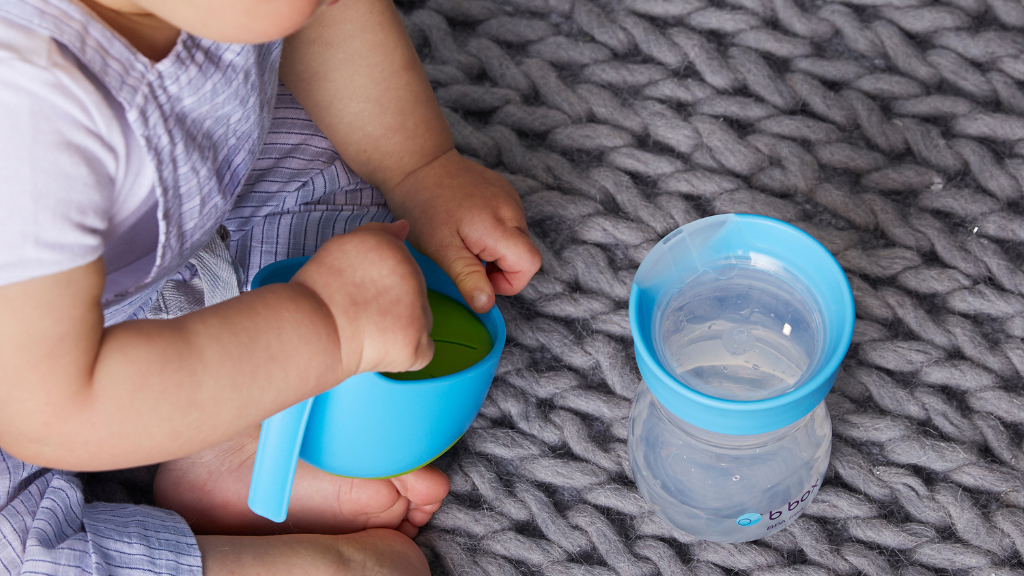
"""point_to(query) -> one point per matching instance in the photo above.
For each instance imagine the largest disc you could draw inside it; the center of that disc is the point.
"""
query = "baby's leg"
(210, 490)
(378, 551)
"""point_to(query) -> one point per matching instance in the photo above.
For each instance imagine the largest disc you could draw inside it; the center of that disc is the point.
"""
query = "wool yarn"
(890, 130)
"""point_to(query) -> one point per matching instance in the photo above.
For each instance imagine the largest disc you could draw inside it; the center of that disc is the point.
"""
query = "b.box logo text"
(793, 506)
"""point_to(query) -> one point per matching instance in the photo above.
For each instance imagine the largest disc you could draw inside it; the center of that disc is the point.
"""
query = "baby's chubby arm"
(355, 71)
(74, 395)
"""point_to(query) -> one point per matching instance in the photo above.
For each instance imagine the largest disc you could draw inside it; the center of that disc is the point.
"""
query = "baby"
(136, 138)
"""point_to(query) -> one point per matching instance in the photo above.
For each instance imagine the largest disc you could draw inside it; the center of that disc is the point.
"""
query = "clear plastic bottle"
(739, 323)
(723, 487)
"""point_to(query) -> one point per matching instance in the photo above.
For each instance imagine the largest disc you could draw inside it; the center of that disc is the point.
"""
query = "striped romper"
(230, 147)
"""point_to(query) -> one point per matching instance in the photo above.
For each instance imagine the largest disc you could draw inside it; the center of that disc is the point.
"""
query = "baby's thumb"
(399, 229)
(470, 278)
(424, 353)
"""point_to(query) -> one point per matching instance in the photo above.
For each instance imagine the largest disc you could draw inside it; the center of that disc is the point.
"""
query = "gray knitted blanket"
(890, 130)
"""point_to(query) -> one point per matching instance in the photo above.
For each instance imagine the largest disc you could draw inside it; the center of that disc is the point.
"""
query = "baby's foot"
(210, 490)
(376, 551)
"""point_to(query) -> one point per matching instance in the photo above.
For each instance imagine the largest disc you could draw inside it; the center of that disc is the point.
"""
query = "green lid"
(460, 340)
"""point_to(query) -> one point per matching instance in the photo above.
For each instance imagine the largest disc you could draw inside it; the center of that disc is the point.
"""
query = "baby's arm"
(355, 71)
(78, 396)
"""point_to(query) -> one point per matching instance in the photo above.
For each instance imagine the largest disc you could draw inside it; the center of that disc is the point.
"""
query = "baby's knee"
(380, 551)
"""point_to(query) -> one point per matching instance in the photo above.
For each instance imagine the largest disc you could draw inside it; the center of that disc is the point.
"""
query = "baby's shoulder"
(22, 47)
(37, 71)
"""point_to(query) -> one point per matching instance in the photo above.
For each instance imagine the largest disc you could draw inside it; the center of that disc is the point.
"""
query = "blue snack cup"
(370, 426)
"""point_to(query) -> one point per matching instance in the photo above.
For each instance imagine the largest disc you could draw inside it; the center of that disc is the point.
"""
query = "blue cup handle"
(277, 455)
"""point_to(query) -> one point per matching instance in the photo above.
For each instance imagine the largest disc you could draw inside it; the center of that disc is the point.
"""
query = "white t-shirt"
(75, 181)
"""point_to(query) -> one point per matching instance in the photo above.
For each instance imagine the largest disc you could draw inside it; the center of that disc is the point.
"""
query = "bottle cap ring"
(750, 240)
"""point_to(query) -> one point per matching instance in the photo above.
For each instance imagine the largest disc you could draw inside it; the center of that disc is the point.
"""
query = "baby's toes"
(420, 515)
(423, 487)
(408, 528)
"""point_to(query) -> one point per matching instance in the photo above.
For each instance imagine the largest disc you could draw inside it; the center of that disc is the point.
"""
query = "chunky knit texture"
(891, 130)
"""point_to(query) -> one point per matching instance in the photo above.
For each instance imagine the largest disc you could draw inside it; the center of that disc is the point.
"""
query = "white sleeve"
(58, 159)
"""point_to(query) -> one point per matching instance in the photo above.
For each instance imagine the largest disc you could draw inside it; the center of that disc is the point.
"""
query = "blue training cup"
(369, 426)
(739, 324)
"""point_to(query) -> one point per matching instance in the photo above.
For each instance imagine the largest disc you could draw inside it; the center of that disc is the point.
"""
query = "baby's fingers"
(514, 263)
(399, 229)
(424, 353)
(470, 277)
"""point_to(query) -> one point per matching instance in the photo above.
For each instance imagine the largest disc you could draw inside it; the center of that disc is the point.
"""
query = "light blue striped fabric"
(230, 146)
(298, 195)
(46, 528)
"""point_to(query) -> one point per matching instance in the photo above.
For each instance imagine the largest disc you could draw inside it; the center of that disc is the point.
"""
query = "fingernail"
(480, 300)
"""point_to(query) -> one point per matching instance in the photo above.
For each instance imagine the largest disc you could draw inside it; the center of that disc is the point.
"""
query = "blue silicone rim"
(755, 416)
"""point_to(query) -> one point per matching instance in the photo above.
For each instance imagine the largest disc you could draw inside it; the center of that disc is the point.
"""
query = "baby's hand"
(462, 213)
(376, 292)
